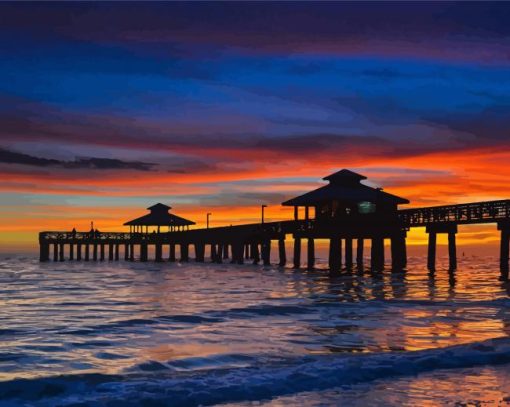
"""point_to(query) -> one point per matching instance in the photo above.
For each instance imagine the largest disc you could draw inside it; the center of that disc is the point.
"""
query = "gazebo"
(344, 196)
(158, 216)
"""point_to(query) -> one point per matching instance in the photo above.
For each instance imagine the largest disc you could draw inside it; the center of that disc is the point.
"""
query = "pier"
(344, 212)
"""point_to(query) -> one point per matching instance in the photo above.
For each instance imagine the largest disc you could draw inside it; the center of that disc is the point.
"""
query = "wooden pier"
(347, 213)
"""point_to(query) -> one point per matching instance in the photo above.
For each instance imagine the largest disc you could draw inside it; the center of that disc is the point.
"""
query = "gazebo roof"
(345, 186)
(159, 216)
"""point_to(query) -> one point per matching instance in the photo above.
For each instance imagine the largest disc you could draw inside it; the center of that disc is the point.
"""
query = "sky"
(108, 108)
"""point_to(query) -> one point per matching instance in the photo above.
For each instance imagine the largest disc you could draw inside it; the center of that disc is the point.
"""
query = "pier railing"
(468, 213)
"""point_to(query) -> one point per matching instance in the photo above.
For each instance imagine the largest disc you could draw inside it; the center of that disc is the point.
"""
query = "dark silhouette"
(345, 211)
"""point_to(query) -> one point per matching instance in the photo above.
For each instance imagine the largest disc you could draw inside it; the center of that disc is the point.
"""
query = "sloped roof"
(159, 206)
(345, 186)
(159, 216)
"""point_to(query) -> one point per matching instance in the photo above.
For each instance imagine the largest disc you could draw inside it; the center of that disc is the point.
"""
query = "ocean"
(170, 334)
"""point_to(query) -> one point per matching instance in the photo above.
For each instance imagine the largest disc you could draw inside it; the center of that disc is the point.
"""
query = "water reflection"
(94, 317)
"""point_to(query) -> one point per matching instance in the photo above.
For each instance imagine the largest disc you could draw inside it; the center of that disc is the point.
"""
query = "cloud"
(446, 30)
(12, 157)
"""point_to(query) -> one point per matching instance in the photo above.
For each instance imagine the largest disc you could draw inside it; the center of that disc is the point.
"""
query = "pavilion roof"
(159, 216)
(345, 186)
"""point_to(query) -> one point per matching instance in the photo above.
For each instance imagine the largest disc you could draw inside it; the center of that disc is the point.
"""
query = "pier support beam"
(237, 253)
(94, 252)
(102, 251)
(266, 252)
(61, 251)
(44, 251)
(87, 252)
(255, 253)
(282, 253)
(433, 230)
(452, 250)
(246, 251)
(431, 252)
(219, 252)
(377, 254)
(348, 253)
(55, 252)
(143, 252)
(213, 253)
(310, 254)
(126, 252)
(184, 252)
(398, 251)
(225, 251)
(131, 252)
(71, 251)
(504, 227)
(110, 251)
(171, 255)
(297, 252)
(199, 252)
(359, 253)
(335, 254)
(116, 251)
(159, 252)
(78, 252)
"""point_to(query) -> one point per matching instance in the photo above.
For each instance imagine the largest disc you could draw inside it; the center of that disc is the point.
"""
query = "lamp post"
(208, 214)
(262, 207)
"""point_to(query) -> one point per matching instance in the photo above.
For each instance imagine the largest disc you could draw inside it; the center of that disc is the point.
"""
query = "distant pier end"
(344, 211)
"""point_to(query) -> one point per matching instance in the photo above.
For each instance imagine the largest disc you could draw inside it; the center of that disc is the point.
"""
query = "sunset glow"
(222, 108)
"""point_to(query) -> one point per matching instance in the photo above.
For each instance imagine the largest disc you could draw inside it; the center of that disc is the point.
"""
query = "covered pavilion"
(158, 216)
(345, 195)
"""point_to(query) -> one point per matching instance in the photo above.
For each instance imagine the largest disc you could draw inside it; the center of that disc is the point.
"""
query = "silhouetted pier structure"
(345, 212)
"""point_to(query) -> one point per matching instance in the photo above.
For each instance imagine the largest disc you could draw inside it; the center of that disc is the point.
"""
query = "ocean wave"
(156, 382)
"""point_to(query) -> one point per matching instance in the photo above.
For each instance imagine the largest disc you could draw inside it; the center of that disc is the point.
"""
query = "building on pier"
(159, 215)
(345, 196)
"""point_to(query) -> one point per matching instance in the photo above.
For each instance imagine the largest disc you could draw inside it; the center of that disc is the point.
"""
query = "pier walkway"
(345, 211)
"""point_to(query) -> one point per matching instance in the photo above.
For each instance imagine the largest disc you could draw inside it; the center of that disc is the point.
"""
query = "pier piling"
(348, 253)
(282, 253)
(297, 252)
(311, 254)
(359, 253)
(335, 254)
